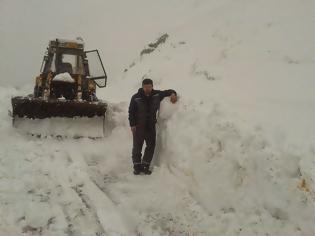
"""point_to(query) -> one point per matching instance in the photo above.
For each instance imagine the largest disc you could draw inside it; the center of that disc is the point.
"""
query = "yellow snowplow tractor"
(65, 92)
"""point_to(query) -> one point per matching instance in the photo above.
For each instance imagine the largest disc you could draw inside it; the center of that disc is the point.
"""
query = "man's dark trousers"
(143, 133)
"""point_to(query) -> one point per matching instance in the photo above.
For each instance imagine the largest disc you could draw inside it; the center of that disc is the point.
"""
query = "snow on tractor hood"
(64, 77)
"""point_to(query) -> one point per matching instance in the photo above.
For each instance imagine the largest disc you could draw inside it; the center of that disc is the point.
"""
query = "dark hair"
(147, 81)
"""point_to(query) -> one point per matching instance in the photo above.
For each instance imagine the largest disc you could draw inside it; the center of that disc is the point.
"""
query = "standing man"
(142, 118)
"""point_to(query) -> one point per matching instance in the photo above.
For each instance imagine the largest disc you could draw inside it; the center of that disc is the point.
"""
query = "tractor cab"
(65, 88)
(69, 71)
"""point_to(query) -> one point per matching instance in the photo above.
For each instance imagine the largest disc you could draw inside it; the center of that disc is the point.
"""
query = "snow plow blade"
(53, 117)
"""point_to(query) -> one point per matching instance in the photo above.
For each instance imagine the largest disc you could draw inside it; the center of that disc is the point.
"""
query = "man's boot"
(146, 169)
(137, 169)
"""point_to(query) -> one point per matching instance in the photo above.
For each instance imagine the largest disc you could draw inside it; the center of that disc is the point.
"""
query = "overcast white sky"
(26, 27)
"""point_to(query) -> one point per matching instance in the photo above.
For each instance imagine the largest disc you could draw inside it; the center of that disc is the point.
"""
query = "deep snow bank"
(210, 178)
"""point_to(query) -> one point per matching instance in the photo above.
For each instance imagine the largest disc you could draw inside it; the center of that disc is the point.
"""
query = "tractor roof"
(65, 43)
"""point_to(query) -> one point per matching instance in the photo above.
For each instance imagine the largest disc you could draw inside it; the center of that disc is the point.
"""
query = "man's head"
(147, 85)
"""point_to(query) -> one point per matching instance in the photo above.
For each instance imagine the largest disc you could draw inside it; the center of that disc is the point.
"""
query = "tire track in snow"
(89, 205)
(74, 213)
(102, 187)
(104, 208)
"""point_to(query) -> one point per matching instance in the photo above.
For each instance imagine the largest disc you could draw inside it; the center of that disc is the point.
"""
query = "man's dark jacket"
(142, 108)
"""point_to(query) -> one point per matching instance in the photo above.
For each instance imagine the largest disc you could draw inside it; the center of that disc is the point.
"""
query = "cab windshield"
(71, 63)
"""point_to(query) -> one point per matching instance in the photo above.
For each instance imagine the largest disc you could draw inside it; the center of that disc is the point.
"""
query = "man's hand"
(173, 98)
(133, 129)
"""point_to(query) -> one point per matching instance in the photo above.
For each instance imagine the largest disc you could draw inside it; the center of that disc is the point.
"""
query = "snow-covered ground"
(235, 155)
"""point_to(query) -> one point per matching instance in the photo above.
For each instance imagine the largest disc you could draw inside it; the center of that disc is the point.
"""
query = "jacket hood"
(141, 91)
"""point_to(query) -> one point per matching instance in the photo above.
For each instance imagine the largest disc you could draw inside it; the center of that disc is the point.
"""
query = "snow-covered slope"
(235, 155)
